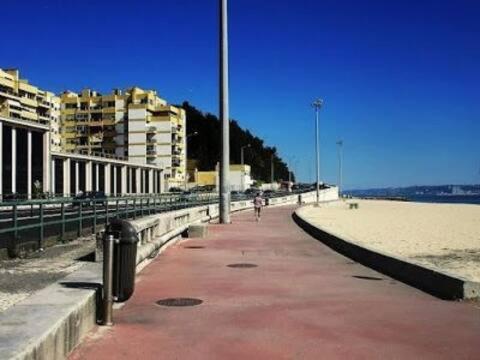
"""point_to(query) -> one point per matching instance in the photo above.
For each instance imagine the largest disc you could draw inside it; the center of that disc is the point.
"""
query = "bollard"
(108, 280)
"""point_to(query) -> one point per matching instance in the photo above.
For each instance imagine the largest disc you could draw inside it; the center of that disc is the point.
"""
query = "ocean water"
(451, 199)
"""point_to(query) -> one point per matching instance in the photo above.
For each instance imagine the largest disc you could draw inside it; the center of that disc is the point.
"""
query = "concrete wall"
(326, 195)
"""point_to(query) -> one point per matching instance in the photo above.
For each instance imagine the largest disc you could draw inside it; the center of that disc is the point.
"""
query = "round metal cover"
(242, 266)
(181, 302)
(367, 277)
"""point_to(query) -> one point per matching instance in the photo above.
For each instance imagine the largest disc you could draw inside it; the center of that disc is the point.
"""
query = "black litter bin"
(124, 258)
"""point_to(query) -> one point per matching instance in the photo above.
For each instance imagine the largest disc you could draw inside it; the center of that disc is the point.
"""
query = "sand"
(443, 236)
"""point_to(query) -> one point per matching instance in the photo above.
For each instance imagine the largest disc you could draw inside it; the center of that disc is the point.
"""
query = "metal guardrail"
(39, 222)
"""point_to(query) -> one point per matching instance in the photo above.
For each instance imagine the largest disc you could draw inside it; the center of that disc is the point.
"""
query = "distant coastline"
(450, 194)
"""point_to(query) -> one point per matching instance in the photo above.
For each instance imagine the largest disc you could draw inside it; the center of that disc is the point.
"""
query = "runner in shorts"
(258, 203)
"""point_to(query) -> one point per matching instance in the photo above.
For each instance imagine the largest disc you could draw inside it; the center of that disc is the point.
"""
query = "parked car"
(89, 197)
(251, 191)
(268, 193)
(205, 188)
(175, 190)
(236, 194)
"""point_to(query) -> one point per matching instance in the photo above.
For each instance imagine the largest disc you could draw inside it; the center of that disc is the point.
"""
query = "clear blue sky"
(400, 79)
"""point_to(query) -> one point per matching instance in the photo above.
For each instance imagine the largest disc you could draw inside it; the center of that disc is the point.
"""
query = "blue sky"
(400, 79)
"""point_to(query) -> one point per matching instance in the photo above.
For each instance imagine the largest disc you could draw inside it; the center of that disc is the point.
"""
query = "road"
(301, 301)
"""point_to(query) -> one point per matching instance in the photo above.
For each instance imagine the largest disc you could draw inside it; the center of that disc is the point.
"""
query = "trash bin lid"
(128, 233)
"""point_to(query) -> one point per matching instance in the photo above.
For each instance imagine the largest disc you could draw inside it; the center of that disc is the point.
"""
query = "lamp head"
(317, 104)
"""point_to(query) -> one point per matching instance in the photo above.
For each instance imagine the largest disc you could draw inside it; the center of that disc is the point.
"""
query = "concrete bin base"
(197, 231)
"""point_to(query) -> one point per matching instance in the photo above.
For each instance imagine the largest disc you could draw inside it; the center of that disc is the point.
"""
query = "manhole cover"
(179, 302)
(367, 277)
(194, 247)
(242, 266)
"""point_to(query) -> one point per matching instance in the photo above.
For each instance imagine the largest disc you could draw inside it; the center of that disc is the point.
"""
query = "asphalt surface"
(301, 301)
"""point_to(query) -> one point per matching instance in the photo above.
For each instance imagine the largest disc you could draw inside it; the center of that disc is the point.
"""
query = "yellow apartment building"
(21, 100)
(134, 124)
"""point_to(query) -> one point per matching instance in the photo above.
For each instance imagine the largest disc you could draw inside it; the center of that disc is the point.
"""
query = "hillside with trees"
(205, 147)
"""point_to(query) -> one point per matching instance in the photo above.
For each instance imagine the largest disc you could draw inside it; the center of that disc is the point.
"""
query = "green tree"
(205, 147)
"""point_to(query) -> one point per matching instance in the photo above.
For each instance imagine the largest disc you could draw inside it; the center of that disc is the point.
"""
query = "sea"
(447, 199)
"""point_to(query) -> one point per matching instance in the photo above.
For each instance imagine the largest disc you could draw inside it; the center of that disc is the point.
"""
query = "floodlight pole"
(242, 155)
(317, 104)
(224, 117)
(340, 166)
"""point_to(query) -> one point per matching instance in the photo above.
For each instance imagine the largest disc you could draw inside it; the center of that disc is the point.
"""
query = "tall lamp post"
(317, 105)
(272, 169)
(188, 136)
(224, 117)
(242, 159)
(291, 161)
(340, 166)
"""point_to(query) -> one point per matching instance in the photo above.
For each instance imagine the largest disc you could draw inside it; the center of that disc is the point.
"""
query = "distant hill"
(438, 190)
(205, 147)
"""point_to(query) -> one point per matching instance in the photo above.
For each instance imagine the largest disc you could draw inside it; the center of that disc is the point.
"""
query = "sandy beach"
(444, 236)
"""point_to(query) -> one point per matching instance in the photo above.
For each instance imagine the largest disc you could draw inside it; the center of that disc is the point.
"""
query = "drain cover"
(367, 277)
(179, 302)
(242, 265)
(194, 247)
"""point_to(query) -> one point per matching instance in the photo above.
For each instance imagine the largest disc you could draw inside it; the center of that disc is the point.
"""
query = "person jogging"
(257, 204)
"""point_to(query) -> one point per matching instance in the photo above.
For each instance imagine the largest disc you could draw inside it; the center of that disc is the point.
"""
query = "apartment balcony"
(69, 135)
(8, 94)
(44, 104)
(107, 122)
(29, 102)
(27, 115)
(70, 147)
(69, 124)
(151, 130)
(6, 82)
(109, 133)
(95, 140)
(44, 119)
(176, 161)
(151, 140)
(96, 123)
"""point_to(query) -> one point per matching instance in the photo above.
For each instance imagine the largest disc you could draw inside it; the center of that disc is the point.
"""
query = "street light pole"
(188, 136)
(340, 166)
(224, 117)
(272, 170)
(317, 104)
(241, 153)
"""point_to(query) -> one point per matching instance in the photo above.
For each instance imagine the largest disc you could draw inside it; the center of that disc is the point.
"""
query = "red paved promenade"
(301, 302)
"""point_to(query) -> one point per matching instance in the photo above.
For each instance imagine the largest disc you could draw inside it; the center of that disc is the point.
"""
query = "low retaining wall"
(432, 281)
(156, 230)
